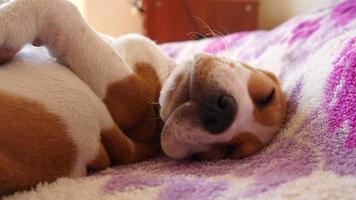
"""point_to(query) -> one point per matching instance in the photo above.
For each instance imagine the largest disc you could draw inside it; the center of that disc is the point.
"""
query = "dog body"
(93, 101)
(54, 121)
(53, 125)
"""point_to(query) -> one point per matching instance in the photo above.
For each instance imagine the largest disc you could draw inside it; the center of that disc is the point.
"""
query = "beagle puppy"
(89, 101)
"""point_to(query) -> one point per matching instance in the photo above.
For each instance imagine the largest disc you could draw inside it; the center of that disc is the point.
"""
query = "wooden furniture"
(176, 20)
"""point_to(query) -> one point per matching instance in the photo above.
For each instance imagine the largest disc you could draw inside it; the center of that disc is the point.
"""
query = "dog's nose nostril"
(217, 114)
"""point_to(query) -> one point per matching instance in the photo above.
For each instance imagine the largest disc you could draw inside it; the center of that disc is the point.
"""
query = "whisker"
(221, 36)
(235, 67)
(238, 65)
(225, 30)
(213, 33)
(165, 70)
(148, 99)
(163, 75)
(204, 23)
(195, 34)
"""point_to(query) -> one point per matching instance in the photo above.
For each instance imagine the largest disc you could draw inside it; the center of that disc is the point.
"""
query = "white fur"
(33, 76)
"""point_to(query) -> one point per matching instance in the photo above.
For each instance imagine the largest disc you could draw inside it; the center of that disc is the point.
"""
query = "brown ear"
(270, 75)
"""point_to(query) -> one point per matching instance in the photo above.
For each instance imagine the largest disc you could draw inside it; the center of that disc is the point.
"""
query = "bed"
(313, 157)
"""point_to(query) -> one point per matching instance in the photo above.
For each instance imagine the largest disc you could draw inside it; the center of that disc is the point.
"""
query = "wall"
(113, 17)
(274, 12)
(117, 17)
(80, 4)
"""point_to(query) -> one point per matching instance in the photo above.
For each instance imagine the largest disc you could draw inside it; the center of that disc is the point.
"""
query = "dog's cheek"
(244, 145)
(132, 103)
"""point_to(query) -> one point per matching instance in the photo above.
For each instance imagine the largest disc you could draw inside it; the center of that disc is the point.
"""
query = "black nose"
(217, 113)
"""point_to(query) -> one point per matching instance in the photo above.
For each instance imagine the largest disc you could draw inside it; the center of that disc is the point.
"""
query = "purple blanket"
(314, 156)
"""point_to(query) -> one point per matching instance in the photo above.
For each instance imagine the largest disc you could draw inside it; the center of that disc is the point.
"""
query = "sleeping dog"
(89, 101)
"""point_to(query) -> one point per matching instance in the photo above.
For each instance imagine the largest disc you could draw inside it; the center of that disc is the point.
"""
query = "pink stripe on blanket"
(304, 30)
(340, 91)
(345, 12)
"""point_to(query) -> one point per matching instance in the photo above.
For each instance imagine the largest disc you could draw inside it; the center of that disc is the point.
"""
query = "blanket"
(313, 157)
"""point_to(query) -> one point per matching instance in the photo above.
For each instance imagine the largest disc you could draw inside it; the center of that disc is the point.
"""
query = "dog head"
(216, 108)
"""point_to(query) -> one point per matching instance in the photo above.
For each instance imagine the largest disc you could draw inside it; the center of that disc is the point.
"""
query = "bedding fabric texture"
(314, 156)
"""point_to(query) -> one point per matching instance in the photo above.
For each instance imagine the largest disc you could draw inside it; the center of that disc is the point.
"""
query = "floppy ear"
(270, 75)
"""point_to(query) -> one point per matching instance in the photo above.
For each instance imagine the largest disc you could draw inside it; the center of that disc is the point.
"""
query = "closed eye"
(264, 101)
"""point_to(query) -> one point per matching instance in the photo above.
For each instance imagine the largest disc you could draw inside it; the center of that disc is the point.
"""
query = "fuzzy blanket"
(314, 156)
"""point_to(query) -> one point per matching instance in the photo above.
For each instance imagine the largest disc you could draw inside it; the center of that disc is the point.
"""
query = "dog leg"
(58, 25)
(123, 150)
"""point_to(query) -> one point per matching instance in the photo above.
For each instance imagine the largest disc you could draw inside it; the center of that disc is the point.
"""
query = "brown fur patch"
(34, 145)
(260, 85)
(214, 152)
(133, 105)
(123, 150)
(241, 146)
(244, 145)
